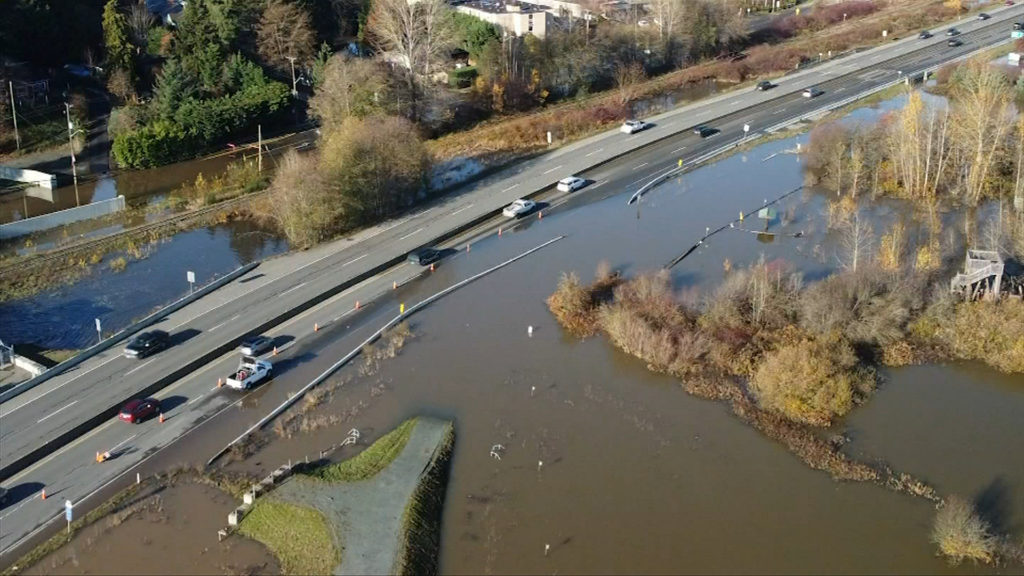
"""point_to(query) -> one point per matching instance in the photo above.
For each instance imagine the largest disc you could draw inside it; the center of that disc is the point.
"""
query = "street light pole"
(14, 115)
(71, 144)
(295, 91)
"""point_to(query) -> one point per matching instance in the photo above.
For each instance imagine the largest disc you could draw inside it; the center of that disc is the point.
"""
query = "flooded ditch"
(606, 467)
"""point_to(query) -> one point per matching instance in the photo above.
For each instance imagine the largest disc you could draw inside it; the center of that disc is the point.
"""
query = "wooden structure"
(982, 276)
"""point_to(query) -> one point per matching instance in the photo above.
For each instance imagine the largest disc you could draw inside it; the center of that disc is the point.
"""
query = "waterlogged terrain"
(601, 466)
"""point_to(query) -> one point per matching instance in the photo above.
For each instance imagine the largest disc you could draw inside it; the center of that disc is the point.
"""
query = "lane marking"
(680, 149)
(139, 367)
(410, 234)
(511, 187)
(292, 289)
(461, 209)
(58, 387)
(589, 154)
(219, 325)
(640, 166)
(553, 169)
(58, 411)
(123, 442)
(599, 184)
(734, 102)
(196, 399)
(357, 259)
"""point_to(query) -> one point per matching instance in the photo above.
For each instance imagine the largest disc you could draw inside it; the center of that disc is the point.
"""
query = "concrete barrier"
(123, 334)
(33, 177)
(54, 219)
(31, 366)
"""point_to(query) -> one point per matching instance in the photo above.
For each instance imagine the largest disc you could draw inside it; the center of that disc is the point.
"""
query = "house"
(166, 10)
(517, 18)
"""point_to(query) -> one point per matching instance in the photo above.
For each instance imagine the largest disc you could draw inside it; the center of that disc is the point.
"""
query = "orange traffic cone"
(540, 215)
(431, 267)
(161, 417)
(42, 495)
(316, 327)
(499, 231)
(275, 351)
(394, 285)
(220, 382)
(357, 304)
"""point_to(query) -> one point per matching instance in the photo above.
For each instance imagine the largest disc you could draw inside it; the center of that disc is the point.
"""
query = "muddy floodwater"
(606, 467)
(157, 536)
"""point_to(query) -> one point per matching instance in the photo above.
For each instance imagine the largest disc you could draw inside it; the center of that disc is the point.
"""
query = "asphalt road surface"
(269, 292)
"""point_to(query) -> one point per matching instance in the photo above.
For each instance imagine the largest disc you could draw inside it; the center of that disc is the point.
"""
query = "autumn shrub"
(961, 534)
(575, 306)
(987, 331)
(813, 381)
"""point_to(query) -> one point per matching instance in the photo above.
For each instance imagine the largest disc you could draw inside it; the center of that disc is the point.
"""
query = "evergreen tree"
(115, 36)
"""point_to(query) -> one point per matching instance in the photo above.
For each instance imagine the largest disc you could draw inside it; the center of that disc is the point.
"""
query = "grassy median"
(298, 536)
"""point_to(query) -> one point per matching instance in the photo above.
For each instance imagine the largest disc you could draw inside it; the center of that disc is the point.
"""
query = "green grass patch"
(298, 536)
(421, 521)
(58, 356)
(369, 462)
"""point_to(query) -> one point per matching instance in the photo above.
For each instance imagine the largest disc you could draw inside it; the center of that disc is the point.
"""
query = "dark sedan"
(147, 343)
(137, 410)
(425, 256)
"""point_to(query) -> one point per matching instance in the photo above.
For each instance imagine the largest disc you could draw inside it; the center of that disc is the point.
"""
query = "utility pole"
(14, 115)
(295, 90)
(71, 144)
(259, 146)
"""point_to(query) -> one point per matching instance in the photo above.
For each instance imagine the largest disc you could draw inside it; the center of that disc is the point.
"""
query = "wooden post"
(259, 146)
(14, 116)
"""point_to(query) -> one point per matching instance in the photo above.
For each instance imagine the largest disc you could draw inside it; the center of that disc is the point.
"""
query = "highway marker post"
(191, 277)
(68, 514)
(99, 330)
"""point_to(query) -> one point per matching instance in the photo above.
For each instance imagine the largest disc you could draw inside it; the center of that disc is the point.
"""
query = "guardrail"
(124, 333)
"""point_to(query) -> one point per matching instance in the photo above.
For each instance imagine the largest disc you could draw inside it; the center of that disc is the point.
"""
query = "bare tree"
(140, 20)
(351, 87)
(628, 76)
(857, 240)
(920, 148)
(1018, 181)
(982, 108)
(415, 34)
(285, 31)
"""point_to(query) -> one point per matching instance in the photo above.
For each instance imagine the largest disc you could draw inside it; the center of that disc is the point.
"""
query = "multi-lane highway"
(361, 267)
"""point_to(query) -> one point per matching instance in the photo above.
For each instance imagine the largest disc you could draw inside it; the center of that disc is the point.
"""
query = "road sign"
(98, 325)
(68, 507)
(191, 276)
(746, 128)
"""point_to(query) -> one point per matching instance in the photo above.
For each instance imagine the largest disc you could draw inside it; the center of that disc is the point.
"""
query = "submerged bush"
(988, 331)
(812, 381)
(961, 534)
(575, 306)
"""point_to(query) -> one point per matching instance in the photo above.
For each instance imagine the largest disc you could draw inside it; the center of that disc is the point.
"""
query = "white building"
(518, 18)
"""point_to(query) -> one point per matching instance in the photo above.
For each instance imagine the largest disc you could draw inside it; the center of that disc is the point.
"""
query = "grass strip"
(369, 462)
(421, 522)
(298, 536)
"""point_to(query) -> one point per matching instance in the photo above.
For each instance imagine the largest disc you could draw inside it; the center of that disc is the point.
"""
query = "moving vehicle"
(983, 16)
(571, 184)
(954, 42)
(147, 343)
(924, 35)
(633, 126)
(952, 32)
(765, 85)
(255, 345)
(3, 496)
(424, 256)
(813, 92)
(705, 131)
(518, 208)
(1018, 25)
(137, 410)
(250, 372)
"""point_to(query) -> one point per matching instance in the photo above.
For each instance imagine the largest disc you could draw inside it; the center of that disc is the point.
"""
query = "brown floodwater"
(160, 537)
(606, 467)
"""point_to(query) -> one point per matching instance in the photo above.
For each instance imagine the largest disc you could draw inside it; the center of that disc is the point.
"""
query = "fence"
(54, 219)
(33, 177)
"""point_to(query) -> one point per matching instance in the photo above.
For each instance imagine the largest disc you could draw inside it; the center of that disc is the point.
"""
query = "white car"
(571, 184)
(518, 208)
(813, 92)
(633, 126)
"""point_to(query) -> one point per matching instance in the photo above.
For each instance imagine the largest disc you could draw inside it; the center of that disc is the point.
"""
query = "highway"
(361, 268)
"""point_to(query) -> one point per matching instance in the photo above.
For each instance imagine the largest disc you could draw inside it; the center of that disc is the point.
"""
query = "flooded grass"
(369, 462)
(297, 535)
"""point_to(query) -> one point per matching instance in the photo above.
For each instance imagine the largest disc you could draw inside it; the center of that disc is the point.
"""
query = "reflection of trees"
(249, 240)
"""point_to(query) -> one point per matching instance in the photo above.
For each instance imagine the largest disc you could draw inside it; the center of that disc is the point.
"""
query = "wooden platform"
(982, 276)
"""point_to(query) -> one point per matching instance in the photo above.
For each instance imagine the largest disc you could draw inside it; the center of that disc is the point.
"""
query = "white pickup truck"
(250, 371)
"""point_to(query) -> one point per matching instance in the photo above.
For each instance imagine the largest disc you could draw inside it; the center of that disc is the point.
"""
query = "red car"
(136, 411)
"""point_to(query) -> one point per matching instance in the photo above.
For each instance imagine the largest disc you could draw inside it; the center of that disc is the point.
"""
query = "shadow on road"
(183, 336)
(280, 341)
(171, 402)
(21, 492)
(251, 278)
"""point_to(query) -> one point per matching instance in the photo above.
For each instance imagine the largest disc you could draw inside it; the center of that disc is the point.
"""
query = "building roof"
(502, 7)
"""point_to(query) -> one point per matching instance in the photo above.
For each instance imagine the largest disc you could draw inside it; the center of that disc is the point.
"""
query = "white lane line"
(840, 89)
(57, 411)
(680, 149)
(589, 154)
(599, 184)
(196, 399)
(511, 187)
(734, 102)
(292, 289)
(411, 234)
(640, 166)
(100, 365)
(218, 325)
(778, 112)
(123, 442)
(139, 367)
(461, 209)
(553, 169)
(388, 228)
(357, 259)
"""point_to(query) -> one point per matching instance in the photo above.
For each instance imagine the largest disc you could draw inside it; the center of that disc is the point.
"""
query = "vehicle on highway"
(765, 85)
(571, 184)
(137, 410)
(813, 92)
(1018, 25)
(952, 32)
(924, 35)
(255, 345)
(3, 496)
(518, 208)
(705, 131)
(983, 16)
(954, 42)
(633, 126)
(147, 343)
(250, 372)
(424, 256)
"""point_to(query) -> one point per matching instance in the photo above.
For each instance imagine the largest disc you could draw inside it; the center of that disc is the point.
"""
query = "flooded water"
(63, 318)
(606, 467)
(157, 538)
